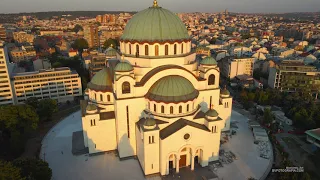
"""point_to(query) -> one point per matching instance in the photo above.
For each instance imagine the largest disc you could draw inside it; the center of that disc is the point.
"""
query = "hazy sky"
(251, 6)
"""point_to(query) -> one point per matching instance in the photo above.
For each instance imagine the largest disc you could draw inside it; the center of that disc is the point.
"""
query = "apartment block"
(22, 37)
(232, 66)
(293, 75)
(91, 35)
(61, 84)
(6, 95)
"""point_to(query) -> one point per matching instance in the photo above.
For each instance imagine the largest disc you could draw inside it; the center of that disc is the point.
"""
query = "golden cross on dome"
(111, 45)
(155, 3)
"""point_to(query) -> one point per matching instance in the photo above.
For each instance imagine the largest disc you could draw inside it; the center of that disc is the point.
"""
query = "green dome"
(209, 61)
(111, 52)
(172, 89)
(225, 92)
(150, 122)
(155, 24)
(123, 67)
(212, 113)
(91, 107)
(101, 81)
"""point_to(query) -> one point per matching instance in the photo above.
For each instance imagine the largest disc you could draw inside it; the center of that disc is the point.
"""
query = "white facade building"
(6, 95)
(157, 103)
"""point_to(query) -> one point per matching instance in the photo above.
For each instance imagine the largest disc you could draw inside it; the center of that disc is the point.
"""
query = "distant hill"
(9, 18)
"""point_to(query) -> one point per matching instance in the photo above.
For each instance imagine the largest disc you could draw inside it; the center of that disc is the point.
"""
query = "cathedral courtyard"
(57, 151)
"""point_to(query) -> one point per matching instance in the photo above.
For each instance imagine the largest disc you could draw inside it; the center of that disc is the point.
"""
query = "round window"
(186, 136)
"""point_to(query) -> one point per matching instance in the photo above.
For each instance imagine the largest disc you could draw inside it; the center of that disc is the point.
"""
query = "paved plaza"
(57, 146)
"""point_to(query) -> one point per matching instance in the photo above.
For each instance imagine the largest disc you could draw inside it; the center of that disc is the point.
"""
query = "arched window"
(156, 50)
(162, 109)
(108, 98)
(175, 49)
(212, 79)
(187, 107)
(137, 50)
(171, 109)
(129, 48)
(101, 97)
(154, 108)
(180, 109)
(182, 48)
(95, 96)
(146, 49)
(125, 87)
(166, 49)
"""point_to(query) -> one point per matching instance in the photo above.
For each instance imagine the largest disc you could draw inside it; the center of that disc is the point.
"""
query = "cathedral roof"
(212, 113)
(208, 61)
(111, 52)
(172, 89)
(101, 81)
(155, 24)
(123, 67)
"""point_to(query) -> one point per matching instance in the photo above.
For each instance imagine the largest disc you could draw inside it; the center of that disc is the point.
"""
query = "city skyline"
(257, 6)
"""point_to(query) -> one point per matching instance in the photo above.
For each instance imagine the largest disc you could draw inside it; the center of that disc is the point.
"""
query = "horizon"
(178, 6)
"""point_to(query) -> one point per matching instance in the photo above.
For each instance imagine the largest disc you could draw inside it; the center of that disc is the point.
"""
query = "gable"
(180, 124)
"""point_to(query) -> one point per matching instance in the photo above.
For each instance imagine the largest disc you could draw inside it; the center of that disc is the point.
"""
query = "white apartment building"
(233, 66)
(61, 84)
(5, 86)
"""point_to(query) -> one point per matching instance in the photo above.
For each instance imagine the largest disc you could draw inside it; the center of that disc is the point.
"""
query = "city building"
(157, 103)
(294, 75)
(22, 54)
(232, 66)
(91, 35)
(6, 95)
(313, 136)
(3, 33)
(22, 37)
(99, 60)
(61, 84)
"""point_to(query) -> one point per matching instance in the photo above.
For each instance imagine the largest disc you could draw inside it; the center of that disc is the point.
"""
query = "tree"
(32, 101)
(110, 41)
(35, 169)
(80, 44)
(46, 108)
(57, 64)
(9, 172)
(77, 28)
(268, 116)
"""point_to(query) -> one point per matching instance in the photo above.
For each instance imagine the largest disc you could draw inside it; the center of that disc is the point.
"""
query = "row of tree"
(25, 169)
(299, 106)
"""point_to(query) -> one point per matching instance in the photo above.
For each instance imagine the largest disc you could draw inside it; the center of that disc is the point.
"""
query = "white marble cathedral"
(157, 103)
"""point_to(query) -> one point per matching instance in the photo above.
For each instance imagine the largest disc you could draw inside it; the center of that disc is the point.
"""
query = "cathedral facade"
(154, 101)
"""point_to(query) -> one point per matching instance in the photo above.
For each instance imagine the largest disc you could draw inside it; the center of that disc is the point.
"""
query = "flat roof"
(44, 71)
(314, 133)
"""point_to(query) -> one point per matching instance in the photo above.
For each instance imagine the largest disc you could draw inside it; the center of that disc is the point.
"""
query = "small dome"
(123, 67)
(212, 113)
(101, 81)
(209, 61)
(155, 24)
(224, 92)
(172, 89)
(150, 122)
(110, 52)
(91, 107)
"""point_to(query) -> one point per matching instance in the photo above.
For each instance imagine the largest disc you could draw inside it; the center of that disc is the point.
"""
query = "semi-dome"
(101, 81)
(111, 52)
(155, 24)
(209, 61)
(123, 67)
(172, 89)
(212, 113)
(225, 92)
